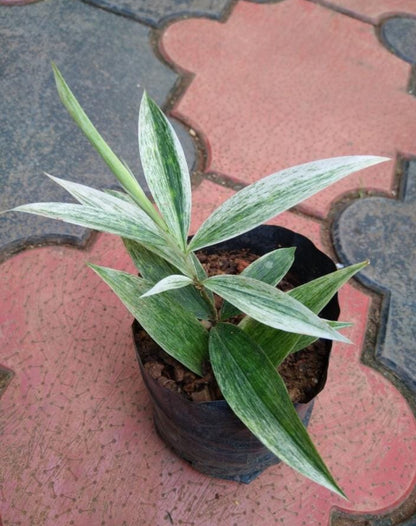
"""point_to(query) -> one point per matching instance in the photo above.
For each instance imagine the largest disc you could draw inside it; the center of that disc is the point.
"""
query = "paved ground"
(252, 87)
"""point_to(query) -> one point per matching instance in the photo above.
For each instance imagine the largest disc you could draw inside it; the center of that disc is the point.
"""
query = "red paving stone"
(375, 9)
(279, 85)
(78, 445)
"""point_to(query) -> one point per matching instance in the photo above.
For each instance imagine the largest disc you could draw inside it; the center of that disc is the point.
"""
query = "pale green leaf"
(105, 200)
(270, 268)
(257, 395)
(304, 341)
(170, 325)
(274, 194)
(119, 194)
(175, 281)
(123, 174)
(165, 168)
(315, 295)
(154, 268)
(137, 226)
(270, 306)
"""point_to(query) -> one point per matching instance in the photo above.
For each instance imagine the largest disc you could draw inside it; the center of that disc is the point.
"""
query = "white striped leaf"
(123, 174)
(270, 268)
(274, 194)
(120, 194)
(165, 169)
(154, 268)
(315, 295)
(305, 341)
(175, 281)
(138, 227)
(271, 306)
(105, 200)
(170, 325)
(257, 395)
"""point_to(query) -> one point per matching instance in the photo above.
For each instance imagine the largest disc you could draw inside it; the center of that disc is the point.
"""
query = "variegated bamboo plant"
(173, 293)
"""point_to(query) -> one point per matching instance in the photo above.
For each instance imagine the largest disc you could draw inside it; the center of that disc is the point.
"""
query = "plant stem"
(211, 303)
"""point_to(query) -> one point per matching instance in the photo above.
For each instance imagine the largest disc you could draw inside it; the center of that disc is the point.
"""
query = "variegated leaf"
(165, 169)
(170, 325)
(315, 295)
(304, 341)
(175, 281)
(154, 268)
(138, 227)
(270, 306)
(270, 268)
(123, 174)
(274, 194)
(105, 200)
(257, 395)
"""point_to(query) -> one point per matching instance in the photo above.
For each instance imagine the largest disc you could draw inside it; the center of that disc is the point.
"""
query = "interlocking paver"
(277, 85)
(373, 10)
(78, 442)
(289, 83)
(383, 230)
(103, 57)
(158, 12)
(399, 35)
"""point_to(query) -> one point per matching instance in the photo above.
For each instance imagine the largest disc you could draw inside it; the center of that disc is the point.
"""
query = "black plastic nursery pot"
(208, 434)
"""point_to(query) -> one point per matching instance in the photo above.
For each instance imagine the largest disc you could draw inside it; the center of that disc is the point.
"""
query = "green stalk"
(124, 176)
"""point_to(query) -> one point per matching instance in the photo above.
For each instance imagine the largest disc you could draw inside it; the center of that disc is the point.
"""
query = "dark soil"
(304, 372)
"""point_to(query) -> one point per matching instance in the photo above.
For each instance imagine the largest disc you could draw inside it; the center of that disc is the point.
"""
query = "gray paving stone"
(104, 57)
(156, 12)
(384, 230)
(398, 34)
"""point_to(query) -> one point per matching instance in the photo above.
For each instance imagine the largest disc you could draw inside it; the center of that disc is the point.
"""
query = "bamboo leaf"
(137, 226)
(304, 341)
(175, 281)
(154, 268)
(257, 395)
(170, 325)
(105, 200)
(123, 174)
(119, 194)
(165, 168)
(274, 194)
(315, 295)
(270, 306)
(270, 268)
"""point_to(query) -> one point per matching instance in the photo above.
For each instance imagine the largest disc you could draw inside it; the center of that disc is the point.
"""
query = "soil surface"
(303, 372)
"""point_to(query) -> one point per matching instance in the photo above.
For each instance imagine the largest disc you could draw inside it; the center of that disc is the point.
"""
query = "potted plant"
(176, 302)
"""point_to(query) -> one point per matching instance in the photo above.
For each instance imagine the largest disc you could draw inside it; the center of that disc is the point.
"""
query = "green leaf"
(154, 268)
(198, 267)
(133, 225)
(119, 194)
(175, 281)
(123, 174)
(270, 305)
(270, 268)
(274, 194)
(170, 325)
(304, 341)
(165, 168)
(257, 395)
(315, 295)
(104, 200)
